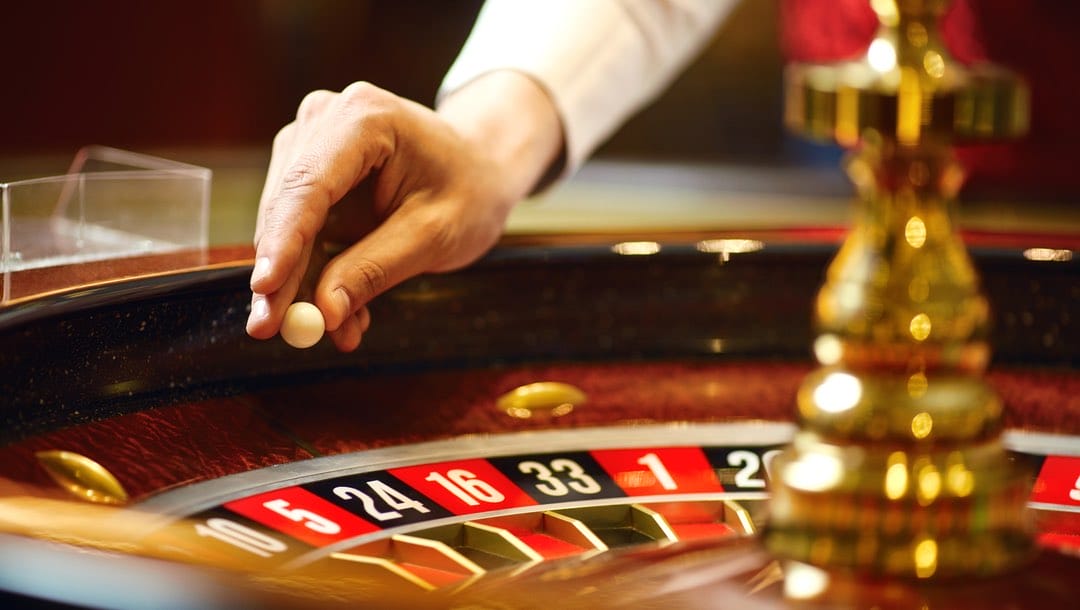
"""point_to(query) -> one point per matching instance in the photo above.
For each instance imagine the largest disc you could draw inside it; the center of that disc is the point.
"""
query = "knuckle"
(288, 232)
(362, 91)
(313, 104)
(299, 207)
(367, 279)
(300, 176)
(367, 102)
(285, 134)
(374, 115)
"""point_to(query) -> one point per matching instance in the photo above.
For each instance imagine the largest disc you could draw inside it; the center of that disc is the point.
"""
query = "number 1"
(653, 463)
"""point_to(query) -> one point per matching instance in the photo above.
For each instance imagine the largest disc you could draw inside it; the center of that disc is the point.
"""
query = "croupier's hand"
(405, 189)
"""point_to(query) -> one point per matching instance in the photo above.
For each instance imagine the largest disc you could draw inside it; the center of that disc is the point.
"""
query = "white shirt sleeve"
(600, 60)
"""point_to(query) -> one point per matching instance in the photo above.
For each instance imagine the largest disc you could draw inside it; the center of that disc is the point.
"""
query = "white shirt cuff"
(599, 60)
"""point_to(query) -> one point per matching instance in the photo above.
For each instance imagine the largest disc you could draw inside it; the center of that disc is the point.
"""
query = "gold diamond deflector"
(541, 399)
(898, 467)
(82, 477)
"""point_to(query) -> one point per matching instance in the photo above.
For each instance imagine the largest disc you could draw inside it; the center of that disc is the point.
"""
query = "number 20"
(751, 466)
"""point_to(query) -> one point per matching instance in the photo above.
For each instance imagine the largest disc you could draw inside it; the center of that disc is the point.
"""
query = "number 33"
(552, 485)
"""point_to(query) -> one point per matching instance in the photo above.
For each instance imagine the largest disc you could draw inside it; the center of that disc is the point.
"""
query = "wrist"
(513, 121)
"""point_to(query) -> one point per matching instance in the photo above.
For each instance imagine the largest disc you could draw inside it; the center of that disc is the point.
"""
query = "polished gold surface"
(82, 477)
(551, 524)
(454, 556)
(898, 468)
(542, 398)
(620, 525)
(401, 555)
(906, 86)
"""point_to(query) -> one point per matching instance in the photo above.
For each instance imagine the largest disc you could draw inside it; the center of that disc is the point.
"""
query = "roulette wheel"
(604, 421)
(537, 419)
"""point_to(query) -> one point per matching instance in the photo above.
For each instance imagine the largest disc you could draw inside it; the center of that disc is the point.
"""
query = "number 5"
(313, 522)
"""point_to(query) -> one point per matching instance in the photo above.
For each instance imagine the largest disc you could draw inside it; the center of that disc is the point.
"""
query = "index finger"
(344, 149)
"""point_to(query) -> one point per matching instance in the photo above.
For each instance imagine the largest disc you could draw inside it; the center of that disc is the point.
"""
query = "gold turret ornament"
(898, 468)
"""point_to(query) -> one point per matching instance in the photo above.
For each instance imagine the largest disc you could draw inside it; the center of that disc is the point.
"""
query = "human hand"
(427, 193)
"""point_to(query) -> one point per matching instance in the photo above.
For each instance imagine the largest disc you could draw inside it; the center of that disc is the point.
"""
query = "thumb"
(403, 246)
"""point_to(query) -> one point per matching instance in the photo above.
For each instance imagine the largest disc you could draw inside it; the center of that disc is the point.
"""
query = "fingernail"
(261, 270)
(342, 299)
(259, 308)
